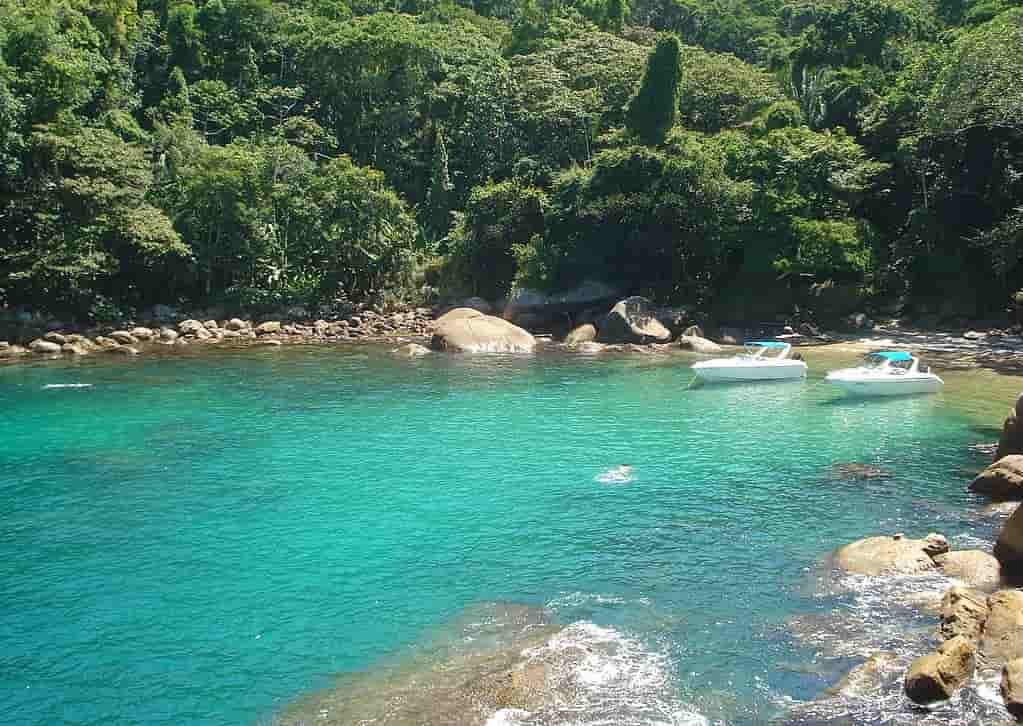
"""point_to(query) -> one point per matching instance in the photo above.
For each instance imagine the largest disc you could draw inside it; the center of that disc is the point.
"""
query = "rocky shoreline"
(588, 326)
(978, 622)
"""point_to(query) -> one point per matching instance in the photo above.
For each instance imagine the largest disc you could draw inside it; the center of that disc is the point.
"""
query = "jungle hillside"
(751, 157)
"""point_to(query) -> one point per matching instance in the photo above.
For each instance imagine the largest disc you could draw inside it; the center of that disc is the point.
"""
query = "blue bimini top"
(893, 355)
(767, 343)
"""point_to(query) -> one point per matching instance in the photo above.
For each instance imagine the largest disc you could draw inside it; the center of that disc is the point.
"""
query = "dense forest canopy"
(746, 155)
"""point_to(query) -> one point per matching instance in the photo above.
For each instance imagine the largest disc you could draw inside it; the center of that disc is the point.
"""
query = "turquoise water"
(205, 540)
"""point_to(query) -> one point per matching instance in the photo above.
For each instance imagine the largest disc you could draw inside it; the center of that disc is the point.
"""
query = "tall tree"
(651, 112)
(438, 196)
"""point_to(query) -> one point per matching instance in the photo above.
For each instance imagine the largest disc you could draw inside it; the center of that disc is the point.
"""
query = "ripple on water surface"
(205, 540)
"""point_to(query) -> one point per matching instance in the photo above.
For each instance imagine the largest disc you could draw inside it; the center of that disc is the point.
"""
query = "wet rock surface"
(1002, 480)
(936, 676)
(894, 554)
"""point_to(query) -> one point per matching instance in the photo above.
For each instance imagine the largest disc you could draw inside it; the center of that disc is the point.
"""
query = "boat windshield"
(765, 349)
(898, 362)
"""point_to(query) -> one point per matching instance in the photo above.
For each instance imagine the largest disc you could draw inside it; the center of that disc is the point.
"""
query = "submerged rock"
(464, 330)
(633, 320)
(585, 333)
(936, 676)
(866, 679)
(888, 555)
(856, 470)
(1002, 480)
(411, 350)
(973, 567)
(499, 660)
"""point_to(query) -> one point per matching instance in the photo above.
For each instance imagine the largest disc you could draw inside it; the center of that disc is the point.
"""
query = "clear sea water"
(205, 540)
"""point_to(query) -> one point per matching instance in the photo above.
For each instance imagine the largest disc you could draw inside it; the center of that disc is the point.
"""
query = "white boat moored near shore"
(754, 364)
(887, 373)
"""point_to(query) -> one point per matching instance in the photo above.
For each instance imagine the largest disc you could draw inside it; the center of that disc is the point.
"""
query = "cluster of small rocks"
(363, 325)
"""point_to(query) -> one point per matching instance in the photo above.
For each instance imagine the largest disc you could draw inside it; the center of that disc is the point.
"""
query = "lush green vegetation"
(270, 152)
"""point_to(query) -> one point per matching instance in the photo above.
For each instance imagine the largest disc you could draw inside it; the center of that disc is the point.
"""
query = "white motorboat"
(887, 373)
(755, 364)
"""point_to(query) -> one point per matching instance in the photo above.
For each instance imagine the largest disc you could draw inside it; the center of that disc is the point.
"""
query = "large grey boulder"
(633, 320)
(936, 676)
(142, 333)
(525, 304)
(972, 567)
(464, 330)
(1002, 480)
(1002, 638)
(581, 334)
(889, 555)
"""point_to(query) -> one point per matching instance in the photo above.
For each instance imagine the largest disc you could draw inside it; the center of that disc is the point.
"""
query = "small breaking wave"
(67, 385)
(503, 664)
(883, 623)
(623, 474)
(601, 676)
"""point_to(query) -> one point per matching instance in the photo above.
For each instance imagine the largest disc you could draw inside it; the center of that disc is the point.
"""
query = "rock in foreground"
(1009, 546)
(963, 612)
(936, 676)
(633, 320)
(973, 567)
(1012, 687)
(1002, 480)
(464, 330)
(1002, 639)
(890, 555)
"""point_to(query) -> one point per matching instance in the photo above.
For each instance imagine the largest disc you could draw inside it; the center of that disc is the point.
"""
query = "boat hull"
(734, 374)
(887, 387)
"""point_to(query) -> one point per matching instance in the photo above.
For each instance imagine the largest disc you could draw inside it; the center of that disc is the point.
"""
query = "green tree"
(652, 110)
(438, 197)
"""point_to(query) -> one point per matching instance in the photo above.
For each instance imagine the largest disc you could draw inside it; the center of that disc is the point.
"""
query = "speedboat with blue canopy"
(762, 360)
(887, 373)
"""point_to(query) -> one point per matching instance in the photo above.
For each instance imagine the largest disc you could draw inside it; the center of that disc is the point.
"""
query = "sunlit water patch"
(249, 537)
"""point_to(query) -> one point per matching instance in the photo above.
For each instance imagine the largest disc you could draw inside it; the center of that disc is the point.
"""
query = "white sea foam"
(67, 385)
(623, 474)
(605, 677)
(508, 717)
